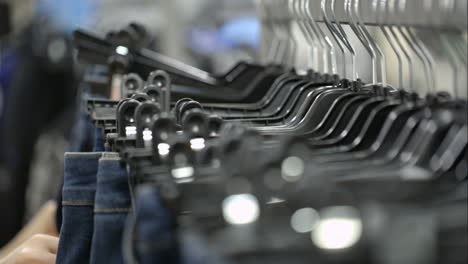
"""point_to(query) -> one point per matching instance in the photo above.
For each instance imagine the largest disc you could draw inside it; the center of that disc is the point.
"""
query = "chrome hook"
(452, 56)
(328, 49)
(427, 58)
(371, 41)
(277, 42)
(390, 8)
(413, 45)
(278, 30)
(380, 5)
(362, 39)
(336, 37)
(266, 26)
(287, 21)
(340, 37)
(309, 35)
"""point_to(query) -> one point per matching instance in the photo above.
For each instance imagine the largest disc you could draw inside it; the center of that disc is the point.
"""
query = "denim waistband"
(80, 171)
(112, 194)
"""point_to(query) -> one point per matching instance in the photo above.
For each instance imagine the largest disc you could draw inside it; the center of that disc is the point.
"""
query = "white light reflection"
(163, 149)
(130, 131)
(275, 200)
(147, 135)
(415, 174)
(241, 209)
(339, 228)
(197, 143)
(183, 172)
(305, 220)
(292, 169)
(121, 50)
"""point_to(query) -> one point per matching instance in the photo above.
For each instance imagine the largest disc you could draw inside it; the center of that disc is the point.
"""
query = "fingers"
(50, 211)
(47, 258)
(49, 243)
(39, 249)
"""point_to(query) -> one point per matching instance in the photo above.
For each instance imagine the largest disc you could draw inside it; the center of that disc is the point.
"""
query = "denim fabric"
(155, 237)
(82, 135)
(81, 140)
(98, 140)
(78, 193)
(196, 250)
(112, 205)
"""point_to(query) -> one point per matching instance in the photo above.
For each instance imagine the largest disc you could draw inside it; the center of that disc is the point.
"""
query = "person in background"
(38, 96)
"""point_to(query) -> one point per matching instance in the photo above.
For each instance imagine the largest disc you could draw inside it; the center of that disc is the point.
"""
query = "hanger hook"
(362, 39)
(349, 4)
(427, 58)
(404, 32)
(340, 36)
(380, 5)
(309, 26)
(338, 39)
(373, 44)
(294, 20)
(277, 53)
(327, 46)
(292, 16)
(452, 56)
(286, 23)
(344, 37)
(390, 8)
(309, 35)
(278, 30)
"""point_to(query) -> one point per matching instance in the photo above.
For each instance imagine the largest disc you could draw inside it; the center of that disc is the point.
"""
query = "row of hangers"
(209, 166)
(260, 173)
(331, 43)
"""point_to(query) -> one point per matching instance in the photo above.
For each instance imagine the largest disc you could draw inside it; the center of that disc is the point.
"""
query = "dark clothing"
(111, 208)
(156, 241)
(78, 203)
(40, 92)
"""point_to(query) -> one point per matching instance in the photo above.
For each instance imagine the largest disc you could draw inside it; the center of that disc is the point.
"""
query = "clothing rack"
(430, 14)
(397, 35)
(273, 162)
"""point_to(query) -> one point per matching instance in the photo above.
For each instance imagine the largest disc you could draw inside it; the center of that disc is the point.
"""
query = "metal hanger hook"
(352, 23)
(327, 46)
(373, 44)
(380, 5)
(414, 44)
(310, 34)
(390, 9)
(453, 57)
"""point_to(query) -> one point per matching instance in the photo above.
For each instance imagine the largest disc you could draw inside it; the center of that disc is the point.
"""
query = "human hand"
(39, 249)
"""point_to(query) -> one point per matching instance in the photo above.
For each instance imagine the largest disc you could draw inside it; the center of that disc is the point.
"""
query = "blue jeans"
(155, 238)
(112, 205)
(78, 192)
(85, 138)
(196, 250)
(152, 237)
